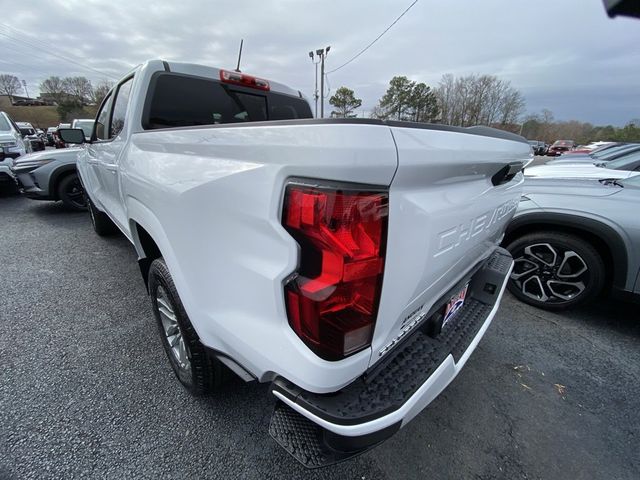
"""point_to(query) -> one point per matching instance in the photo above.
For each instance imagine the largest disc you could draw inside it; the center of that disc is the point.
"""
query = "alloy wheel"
(172, 331)
(548, 273)
(75, 194)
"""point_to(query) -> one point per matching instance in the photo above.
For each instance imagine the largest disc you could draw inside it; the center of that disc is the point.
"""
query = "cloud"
(566, 56)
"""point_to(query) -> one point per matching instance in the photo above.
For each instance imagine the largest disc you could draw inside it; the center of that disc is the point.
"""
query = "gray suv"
(575, 239)
(51, 175)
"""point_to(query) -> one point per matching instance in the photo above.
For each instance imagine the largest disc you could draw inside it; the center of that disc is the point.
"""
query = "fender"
(603, 231)
(138, 213)
(57, 175)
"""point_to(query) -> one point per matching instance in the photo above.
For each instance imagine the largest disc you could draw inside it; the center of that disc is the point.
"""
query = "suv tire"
(71, 193)
(555, 270)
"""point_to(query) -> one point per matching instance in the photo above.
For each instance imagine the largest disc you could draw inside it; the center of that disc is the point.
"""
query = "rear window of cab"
(177, 100)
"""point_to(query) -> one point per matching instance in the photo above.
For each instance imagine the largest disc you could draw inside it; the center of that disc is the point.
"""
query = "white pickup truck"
(352, 264)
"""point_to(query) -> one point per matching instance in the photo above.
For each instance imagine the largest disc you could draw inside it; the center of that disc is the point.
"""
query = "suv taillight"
(332, 299)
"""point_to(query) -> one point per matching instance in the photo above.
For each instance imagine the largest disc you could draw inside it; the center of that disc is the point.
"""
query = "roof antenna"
(239, 55)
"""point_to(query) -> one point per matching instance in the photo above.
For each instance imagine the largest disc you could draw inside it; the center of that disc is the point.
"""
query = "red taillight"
(332, 300)
(245, 80)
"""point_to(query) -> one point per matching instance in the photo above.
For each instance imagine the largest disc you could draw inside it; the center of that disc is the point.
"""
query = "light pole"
(24, 84)
(322, 54)
(315, 92)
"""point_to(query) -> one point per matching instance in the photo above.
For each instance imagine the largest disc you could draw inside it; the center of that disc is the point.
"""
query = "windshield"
(628, 162)
(4, 124)
(609, 153)
(562, 143)
(85, 125)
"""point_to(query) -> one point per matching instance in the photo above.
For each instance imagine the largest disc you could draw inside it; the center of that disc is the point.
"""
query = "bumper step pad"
(306, 441)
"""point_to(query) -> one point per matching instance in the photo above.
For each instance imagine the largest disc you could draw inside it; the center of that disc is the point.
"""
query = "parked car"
(591, 147)
(30, 135)
(575, 239)
(86, 124)
(264, 238)
(538, 146)
(51, 175)
(50, 136)
(57, 141)
(561, 146)
(600, 155)
(11, 137)
(7, 179)
(624, 166)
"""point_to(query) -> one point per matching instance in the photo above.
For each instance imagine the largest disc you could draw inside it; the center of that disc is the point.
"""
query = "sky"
(563, 55)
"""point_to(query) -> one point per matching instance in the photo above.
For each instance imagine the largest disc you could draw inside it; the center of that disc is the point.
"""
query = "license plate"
(455, 304)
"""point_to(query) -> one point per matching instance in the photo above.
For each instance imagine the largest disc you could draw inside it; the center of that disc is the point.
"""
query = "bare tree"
(101, 90)
(9, 85)
(478, 100)
(53, 87)
(79, 88)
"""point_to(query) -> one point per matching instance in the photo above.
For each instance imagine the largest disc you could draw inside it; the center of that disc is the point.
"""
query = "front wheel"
(554, 270)
(71, 193)
(196, 370)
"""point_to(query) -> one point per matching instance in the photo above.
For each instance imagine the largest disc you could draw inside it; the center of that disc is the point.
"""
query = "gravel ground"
(85, 389)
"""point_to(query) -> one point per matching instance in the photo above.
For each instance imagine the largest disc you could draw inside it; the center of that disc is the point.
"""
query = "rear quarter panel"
(216, 194)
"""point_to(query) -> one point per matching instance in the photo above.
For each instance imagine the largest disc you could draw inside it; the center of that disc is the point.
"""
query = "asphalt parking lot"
(86, 391)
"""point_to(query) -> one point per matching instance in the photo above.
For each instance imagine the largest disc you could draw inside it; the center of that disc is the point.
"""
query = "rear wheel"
(192, 365)
(101, 222)
(554, 270)
(71, 193)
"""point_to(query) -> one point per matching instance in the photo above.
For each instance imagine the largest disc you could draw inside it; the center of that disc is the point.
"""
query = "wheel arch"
(146, 245)
(147, 237)
(604, 239)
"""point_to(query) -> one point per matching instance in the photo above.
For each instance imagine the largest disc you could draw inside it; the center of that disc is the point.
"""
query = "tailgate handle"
(506, 173)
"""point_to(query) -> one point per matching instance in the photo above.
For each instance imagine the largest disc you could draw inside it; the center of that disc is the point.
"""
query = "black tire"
(204, 374)
(71, 193)
(573, 276)
(101, 222)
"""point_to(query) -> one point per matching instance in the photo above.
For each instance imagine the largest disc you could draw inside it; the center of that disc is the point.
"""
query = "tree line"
(477, 100)
(543, 126)
(70, 94)
(458, 101)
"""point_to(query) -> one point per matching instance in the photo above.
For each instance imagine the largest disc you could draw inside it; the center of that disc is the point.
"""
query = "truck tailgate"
(446, 215)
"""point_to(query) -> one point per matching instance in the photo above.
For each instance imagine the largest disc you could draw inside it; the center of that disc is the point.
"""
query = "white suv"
(10, 137)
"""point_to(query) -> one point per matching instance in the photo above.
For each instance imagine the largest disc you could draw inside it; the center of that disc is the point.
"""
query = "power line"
(48, 50)
(376, 39)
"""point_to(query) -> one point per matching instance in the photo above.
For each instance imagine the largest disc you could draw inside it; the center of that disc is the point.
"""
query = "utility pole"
(315, 91)
(321, 53)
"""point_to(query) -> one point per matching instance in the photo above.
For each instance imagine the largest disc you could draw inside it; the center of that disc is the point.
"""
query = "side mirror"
(628, 8)
(71, 135)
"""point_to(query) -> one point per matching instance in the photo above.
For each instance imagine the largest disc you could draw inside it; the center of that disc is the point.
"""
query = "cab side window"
(120, 108)
(102, 119)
